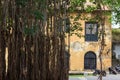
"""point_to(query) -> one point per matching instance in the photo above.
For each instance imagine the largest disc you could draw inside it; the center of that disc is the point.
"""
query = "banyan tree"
(32, 40)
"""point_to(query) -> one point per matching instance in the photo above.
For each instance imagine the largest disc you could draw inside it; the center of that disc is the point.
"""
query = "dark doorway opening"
(90, 60)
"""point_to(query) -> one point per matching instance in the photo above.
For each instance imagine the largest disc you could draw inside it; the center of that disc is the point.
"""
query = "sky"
(113, 22)
(115, 25)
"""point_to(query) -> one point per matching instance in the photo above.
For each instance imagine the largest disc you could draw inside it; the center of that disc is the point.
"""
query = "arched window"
(90, 60)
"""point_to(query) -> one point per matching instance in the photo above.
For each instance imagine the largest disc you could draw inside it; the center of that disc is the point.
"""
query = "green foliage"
(21, 2)
(78, 16)
(79, 75)
(38, 15)
(115, 8)
(76, 29)
(79, 7)
(77, 2)
(30, 31)
(75, 26)
(116, 35)
(90, 9)
(116, 31)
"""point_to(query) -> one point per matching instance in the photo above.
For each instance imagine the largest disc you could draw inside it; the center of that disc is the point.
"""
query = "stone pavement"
(108, 77)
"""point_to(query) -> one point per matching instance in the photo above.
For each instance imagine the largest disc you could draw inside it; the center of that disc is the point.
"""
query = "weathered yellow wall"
(77, 57)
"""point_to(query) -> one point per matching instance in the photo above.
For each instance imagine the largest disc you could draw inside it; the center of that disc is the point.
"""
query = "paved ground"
(108, 77)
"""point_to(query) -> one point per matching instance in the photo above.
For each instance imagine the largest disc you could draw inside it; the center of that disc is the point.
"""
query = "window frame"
(92, 37)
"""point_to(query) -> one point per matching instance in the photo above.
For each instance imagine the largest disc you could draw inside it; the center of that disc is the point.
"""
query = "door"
(90, 60)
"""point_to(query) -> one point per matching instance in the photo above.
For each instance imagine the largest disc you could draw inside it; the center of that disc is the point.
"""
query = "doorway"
(90, 60)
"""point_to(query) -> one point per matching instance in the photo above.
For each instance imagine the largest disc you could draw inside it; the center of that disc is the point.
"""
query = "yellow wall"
(77, 57)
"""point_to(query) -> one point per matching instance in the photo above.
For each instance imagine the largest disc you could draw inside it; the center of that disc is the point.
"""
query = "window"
(66, 28)
(91, 31)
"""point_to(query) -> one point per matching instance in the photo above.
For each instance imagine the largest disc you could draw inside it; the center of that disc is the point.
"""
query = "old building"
(85, 49)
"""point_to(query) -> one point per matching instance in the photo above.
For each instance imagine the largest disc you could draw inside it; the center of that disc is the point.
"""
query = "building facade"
(85, 50)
